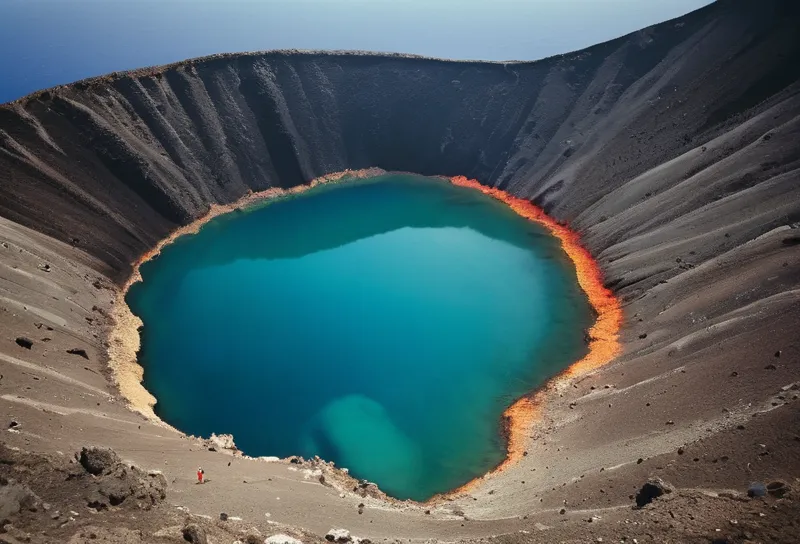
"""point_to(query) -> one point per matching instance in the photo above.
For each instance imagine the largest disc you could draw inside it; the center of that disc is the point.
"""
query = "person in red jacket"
(200, 474)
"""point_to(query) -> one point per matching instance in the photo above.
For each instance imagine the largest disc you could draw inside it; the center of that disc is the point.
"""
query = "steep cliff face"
(673, 151)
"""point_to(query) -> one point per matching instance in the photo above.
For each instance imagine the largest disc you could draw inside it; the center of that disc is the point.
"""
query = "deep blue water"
(384, 324)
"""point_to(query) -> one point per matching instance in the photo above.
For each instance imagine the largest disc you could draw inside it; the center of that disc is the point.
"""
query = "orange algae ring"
(603, 345)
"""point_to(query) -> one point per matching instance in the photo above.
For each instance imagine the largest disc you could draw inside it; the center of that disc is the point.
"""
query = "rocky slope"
(673, 151)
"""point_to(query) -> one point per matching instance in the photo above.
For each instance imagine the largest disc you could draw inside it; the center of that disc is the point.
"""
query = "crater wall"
(673, 151)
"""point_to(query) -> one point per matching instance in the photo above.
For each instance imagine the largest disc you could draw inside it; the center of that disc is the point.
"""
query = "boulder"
(23, 342)
(96, 461)
(652, 489)
(115, 482)
(756, 489)
(222, 441)
(338, 535)
(195, 534)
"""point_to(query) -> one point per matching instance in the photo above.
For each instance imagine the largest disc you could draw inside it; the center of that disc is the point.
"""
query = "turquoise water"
(383, 324)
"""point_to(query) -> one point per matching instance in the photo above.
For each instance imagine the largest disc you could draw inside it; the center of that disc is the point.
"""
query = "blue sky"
(49, 42)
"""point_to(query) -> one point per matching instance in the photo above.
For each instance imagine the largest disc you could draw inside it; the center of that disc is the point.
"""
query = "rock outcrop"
(15, 497)
(652, 489)
(115, 482)
(97, 461)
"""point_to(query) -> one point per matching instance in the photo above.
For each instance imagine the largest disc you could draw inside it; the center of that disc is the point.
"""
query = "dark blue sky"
(49, 42)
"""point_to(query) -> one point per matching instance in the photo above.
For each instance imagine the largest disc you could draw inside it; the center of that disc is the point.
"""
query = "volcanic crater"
(672, 154)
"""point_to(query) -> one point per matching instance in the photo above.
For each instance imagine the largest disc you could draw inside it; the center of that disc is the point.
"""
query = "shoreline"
(520, 418)
(517, 420)
(124, 340)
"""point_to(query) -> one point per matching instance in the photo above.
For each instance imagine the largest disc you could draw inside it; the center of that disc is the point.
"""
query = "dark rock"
(652, 489)
(777, 488)
(79, 352)
(23, 342)
(98, 505)
(13, 424)
(756, 489)
(643, 335)
(195, 534)
(770, 367)
(116, 482)
(778, 353)
(98, 460)
(562, 511)
(223, 516)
